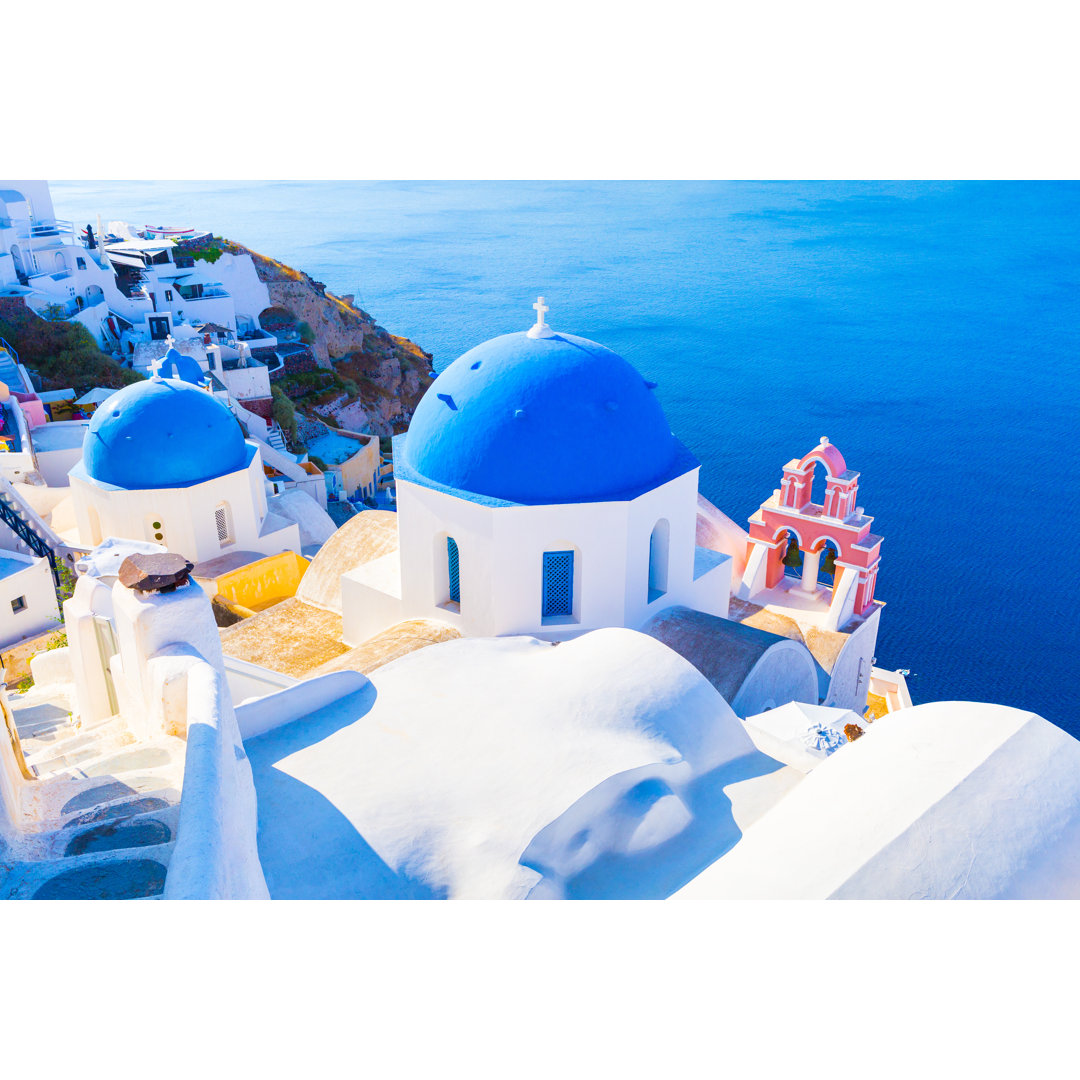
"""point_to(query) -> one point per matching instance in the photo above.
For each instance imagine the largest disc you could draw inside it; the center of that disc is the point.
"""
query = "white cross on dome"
(541, 329)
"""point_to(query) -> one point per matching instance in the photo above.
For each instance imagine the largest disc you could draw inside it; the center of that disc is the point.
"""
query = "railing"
(47, 227)
(204, 294)
(66, 307)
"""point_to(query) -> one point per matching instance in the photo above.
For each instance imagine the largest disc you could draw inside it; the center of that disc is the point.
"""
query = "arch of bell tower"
(838, 519)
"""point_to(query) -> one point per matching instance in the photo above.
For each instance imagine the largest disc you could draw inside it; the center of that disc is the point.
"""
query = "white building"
(28, 604)
(164, 461)
(127, 288)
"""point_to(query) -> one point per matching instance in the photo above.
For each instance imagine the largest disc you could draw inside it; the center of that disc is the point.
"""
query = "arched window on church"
(453, 570)
(223, 523)
(658, 559)
(819, 479)
(558, 585)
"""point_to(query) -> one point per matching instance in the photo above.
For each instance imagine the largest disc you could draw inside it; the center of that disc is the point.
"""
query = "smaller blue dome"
(186, 368)
(162, 433)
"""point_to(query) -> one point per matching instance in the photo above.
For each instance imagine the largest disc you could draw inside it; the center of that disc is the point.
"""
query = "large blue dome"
(162, 433)
(541, 420)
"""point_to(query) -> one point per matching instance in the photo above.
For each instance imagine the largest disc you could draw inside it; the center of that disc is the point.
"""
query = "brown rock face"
(155, 572)
(390, 373)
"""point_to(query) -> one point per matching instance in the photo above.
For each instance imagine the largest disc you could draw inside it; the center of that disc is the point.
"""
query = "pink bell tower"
(837, 519)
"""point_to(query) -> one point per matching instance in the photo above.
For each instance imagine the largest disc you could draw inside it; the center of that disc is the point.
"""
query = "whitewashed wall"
(186, 514)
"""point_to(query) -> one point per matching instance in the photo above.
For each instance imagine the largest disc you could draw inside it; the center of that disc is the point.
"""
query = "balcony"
(212, 291)
(46, 229)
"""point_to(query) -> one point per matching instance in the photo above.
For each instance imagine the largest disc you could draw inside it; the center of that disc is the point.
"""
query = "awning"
(95, 396)
(119, 259)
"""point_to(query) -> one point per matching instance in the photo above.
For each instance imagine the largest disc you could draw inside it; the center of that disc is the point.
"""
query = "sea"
(930, 330)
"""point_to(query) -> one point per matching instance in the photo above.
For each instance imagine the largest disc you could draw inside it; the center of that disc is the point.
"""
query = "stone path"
(99, 819)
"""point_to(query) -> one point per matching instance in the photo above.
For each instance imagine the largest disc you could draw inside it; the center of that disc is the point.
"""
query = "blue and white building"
(166, 462)
(540, 491)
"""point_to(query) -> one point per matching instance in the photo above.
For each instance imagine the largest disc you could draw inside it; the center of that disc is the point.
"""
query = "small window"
(224, 524)
(80, 262)
(18, 604)
(168, 296)
(658, 560)
(452, 569)
(558, 596)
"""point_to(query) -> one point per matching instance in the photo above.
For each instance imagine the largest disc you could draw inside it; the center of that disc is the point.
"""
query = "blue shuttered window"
(558, 583)
(452, 569)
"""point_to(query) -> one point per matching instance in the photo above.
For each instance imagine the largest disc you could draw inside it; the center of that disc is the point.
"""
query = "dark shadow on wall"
(309, 850)
(657, 872)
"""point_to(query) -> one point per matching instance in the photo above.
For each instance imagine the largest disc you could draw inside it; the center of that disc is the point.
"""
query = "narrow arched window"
(453, 570)
(658, 560)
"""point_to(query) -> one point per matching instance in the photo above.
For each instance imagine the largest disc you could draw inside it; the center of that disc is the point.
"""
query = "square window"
(18, 604)
(80, 262)
(558, 590)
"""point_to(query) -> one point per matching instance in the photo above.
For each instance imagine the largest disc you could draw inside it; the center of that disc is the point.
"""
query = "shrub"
(63, 353)
(307, 335)
(284, 413)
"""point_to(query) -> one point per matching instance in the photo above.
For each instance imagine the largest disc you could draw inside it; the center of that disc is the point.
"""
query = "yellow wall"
(360, 469)
(263, 583)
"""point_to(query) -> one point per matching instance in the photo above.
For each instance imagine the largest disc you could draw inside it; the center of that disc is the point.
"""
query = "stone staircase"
(276, 438)
(98, 821)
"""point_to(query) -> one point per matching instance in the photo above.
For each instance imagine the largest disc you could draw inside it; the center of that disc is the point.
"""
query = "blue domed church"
(541, 491)
(165, 461)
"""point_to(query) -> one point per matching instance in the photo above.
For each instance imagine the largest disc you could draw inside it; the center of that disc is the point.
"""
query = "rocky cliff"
(368, 376)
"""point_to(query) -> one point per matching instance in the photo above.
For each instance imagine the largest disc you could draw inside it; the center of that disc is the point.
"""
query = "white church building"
(540, 491)
(164, 461)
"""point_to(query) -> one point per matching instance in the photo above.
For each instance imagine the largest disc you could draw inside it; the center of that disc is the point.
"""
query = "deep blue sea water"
(930, 330)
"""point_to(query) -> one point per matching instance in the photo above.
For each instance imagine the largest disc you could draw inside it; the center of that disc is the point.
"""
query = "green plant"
(317, 462)
(307, 335)
(63, 353)
(284, 412)
(66, 588)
